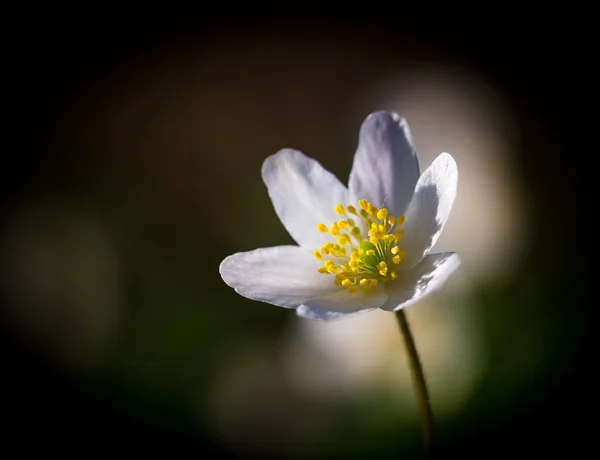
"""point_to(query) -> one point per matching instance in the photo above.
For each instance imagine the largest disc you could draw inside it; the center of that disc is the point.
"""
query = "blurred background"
(133, 168)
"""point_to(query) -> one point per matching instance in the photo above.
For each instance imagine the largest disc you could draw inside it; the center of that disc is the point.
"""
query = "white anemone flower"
(361, 247)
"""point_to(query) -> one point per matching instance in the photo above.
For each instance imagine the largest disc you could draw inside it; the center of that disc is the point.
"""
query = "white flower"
(359, 248)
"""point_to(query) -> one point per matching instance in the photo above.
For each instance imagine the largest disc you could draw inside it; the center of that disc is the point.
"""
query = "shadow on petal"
(422, 224)
(428, 276)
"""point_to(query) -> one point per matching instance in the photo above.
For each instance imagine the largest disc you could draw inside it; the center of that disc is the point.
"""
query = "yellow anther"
(389, 238)
(343, 240)
(374, 233)
(382, 213)
(359, 260)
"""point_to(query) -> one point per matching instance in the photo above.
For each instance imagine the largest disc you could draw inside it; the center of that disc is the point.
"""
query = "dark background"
(532, 65)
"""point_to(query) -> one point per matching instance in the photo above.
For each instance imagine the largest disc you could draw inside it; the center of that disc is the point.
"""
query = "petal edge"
(285, 276)
(386, 168)
(303, 194)
(428, 276)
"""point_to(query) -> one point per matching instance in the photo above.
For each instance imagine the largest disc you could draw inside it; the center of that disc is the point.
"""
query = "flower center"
(359, 260)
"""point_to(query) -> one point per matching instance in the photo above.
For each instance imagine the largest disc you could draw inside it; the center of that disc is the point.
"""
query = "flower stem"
(419, 384)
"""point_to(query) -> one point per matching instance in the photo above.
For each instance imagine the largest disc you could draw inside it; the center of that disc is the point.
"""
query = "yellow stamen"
(343, 240)
(359, 260)
(382, 213)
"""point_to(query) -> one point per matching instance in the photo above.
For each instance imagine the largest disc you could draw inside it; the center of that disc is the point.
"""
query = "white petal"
(386, 168)
(303, 194)
(423, 279)
(342, 304)
(283, 275)
(327, 315)
(430, 208)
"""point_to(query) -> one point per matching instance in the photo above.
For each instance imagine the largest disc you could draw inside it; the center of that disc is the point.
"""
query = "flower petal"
(386, 167)
(430, 208)
(327, 315)
(303, 194)
(341, 304)
(428, 276)
(285, 276)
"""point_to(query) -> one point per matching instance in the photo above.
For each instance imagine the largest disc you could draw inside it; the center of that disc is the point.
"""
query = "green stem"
(419, 384)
